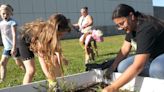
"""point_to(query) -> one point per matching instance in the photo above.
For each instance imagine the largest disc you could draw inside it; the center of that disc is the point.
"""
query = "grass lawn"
(73, 52)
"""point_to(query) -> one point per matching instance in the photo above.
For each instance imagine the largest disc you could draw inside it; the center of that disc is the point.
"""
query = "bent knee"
(3, 63)
(30, 71)
(156, 71)
(122, 67)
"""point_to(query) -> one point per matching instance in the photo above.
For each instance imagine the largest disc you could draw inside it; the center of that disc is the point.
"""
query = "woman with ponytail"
(145, 33)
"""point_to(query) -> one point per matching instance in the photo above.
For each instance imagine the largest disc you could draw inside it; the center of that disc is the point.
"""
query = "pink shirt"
(88, 39)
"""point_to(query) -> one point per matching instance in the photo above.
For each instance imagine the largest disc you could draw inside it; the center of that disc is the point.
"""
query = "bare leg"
(92, 54)
(87, 55)
(3, 68)
(30, 70)
(81, 44)
(86, 58)
(95, 46)
(82, 40)
(19, 63)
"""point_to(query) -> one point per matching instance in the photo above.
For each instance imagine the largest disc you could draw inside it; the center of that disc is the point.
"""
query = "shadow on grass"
(103, 65)
(115, 53)
(107, 54)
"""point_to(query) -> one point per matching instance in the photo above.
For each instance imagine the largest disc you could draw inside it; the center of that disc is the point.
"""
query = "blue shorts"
(7, 53)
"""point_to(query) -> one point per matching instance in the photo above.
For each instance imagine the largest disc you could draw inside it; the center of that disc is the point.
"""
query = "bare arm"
(55, 65)
(13, 40)
(132, 71)
(76, 25)
(44, 67)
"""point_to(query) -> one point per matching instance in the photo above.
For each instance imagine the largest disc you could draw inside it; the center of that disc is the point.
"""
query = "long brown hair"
(44, 38)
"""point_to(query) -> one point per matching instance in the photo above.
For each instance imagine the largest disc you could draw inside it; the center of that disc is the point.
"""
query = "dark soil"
(96, 88)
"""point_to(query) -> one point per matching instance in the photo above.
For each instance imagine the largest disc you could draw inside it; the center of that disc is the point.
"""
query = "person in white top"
(9, 38)
(84, 24)
(84, 21)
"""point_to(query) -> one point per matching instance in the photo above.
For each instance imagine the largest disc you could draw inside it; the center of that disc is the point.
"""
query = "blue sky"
(158, 3)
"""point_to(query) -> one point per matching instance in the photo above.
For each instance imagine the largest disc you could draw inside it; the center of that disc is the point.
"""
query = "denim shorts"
(8, 53)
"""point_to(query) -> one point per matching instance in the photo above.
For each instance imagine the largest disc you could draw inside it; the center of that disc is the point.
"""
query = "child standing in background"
(87, 39)
(9, 37)
(84, 24)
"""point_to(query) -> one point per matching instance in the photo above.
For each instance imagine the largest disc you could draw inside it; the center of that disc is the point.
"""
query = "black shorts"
(24, 50)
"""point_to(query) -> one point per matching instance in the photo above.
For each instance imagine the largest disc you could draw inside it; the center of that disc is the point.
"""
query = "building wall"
(159, 12)
(101, 10)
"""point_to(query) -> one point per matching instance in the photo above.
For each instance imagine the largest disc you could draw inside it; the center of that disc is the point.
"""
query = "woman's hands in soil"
(110, 88)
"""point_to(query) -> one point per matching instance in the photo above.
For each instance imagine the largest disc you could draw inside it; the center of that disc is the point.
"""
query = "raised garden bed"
(92, 81)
